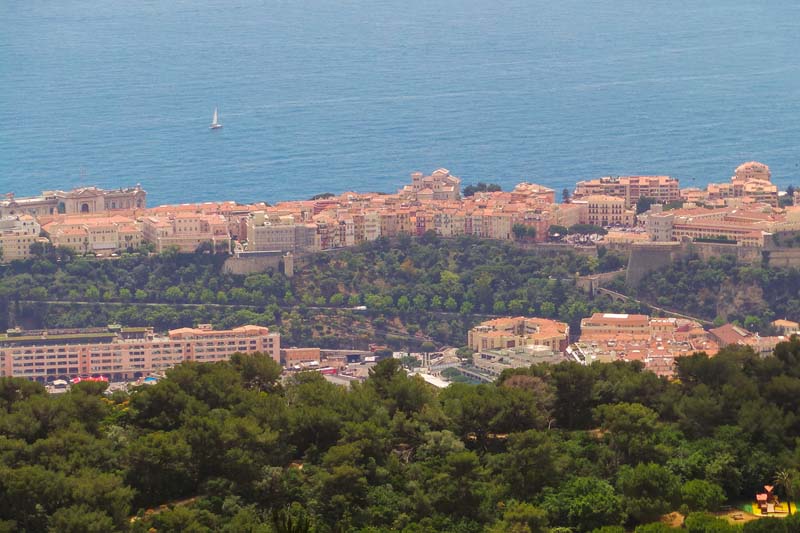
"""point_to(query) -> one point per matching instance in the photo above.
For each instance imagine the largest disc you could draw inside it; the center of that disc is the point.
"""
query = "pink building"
(124, 353)
(186, 230)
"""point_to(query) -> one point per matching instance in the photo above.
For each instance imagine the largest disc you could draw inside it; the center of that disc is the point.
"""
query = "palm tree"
(786, 480)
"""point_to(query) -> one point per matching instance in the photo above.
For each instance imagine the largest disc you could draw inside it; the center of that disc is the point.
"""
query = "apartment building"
(186, 231)
(396, 221)
(124, 353)
(751, 180)
(663, 189)
(17, 233)
(604, 210)
(752, 170)
(101, 233)
(614, 325)
(513, 332)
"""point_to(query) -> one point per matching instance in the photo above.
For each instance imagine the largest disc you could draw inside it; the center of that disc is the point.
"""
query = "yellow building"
(17, 233)
(615, 325)
(604, 210)
(786, 327)
(750, 180)
(186, 231)
(94, 233)
(513, 332)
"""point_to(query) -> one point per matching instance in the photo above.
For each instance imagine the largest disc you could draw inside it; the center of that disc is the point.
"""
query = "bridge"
(619, 297)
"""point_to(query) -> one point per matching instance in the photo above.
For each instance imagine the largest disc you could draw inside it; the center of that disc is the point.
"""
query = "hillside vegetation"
(544, 448)
(725, 291)
(434, 286)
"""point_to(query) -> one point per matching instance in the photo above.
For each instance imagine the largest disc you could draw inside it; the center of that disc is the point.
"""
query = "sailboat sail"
(215, 121)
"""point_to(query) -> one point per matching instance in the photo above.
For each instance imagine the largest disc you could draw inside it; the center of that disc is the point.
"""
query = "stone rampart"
(646, 257)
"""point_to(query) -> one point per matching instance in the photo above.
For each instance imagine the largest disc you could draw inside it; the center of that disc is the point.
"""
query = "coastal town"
(399, 267)
(745, 212)
(623, 213)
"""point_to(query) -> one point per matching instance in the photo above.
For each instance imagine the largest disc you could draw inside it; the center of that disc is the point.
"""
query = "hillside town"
(744, 212)
(619, 211)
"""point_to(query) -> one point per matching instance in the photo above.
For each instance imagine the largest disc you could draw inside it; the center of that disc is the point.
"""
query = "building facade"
(440, 185)
(513, 332)
(186, 231)
(604, 210)
(663, 189)
(17, 233)
(124, 353)
(616, 325)
(81, 200)
(94, 233)
(280, 233)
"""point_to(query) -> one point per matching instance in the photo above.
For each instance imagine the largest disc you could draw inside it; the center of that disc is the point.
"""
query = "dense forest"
(435, 287)
(230, 447)
(723, 290)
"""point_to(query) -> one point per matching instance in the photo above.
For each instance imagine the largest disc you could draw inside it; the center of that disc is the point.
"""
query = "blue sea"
(335, 95)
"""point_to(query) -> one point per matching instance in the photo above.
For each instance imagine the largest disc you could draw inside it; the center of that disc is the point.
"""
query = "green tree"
(788, 480)
(643, 204)
(765, 525)
(702, 495)
(585, 504)
(160, 467)
(92, 293)
(530, 464)
(655, 527)
(630, 430)
(80, 519)
(704, 523)
(521, 517)
(649, 491)
(258, 371)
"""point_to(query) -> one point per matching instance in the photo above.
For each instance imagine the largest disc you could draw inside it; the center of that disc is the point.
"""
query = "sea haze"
(335, 95)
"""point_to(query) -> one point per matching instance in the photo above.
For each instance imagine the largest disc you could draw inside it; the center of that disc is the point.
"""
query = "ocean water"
(335, 95)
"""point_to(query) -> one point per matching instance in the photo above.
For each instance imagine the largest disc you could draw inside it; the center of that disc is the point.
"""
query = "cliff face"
(740, 299)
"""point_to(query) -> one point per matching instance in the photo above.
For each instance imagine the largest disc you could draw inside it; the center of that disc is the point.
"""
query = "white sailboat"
(215, 125)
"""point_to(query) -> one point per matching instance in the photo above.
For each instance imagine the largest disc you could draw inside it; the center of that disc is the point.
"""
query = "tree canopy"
(232, 446)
